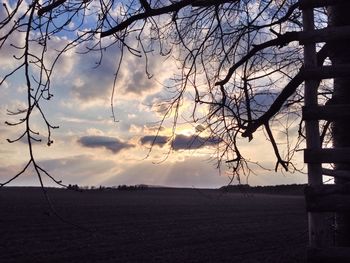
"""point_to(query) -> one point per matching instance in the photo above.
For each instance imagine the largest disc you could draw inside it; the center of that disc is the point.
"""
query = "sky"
(90, 149)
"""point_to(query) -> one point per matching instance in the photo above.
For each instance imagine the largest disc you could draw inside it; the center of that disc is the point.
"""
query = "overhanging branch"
(288, 90)
(281, 40)
(50, 7)
(173, 8)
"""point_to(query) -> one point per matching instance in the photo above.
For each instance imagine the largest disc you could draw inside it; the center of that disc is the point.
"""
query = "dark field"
(154, 225)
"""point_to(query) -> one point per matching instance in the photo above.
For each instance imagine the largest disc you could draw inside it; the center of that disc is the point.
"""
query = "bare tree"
(240, 61)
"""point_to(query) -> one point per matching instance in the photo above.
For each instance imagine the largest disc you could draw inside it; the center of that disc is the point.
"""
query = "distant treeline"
(132, 187)
(102, 188)
(290, 189)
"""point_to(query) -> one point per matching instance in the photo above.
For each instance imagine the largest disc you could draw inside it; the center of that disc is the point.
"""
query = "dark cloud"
(138, 81)
(97, 82)
(181, 142)
(156, 140)
(109, 143)
(193, 142)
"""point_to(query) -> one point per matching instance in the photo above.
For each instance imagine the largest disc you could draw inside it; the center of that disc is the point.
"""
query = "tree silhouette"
(241, 62)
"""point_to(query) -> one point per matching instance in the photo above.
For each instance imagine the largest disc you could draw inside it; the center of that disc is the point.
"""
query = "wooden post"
(318, 233)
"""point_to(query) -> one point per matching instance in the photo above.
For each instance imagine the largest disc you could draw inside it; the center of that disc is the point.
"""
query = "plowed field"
(154, 225)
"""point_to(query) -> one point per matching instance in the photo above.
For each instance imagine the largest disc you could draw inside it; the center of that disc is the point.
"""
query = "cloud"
(93, 83)
(156, 140)
(138, 81)
(141, 76)
(96, 78)
(110, 143)
(182, 142)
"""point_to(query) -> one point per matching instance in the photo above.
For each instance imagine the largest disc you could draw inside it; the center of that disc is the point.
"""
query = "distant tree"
(240, 61)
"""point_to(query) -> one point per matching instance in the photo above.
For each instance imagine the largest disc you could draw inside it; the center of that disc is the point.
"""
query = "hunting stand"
(323, 201)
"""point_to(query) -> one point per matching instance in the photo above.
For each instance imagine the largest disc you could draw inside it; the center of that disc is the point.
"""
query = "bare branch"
(173, 8)
(50, 7)
(280, 41)
(288, 90)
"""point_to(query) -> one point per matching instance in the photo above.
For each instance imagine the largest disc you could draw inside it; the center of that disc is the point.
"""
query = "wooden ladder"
(322, 199)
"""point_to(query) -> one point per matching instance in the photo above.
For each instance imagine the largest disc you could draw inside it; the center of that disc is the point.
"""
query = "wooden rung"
(324, 35)
(328, 198)
(327, 112)
(326, 72)
(331, 155)
(337, 173)
(328, 255)
(307, 4)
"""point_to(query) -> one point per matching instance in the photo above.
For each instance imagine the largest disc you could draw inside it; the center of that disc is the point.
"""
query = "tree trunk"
(340, 54)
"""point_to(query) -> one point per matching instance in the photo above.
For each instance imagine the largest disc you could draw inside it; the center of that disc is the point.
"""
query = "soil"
(153, 225)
